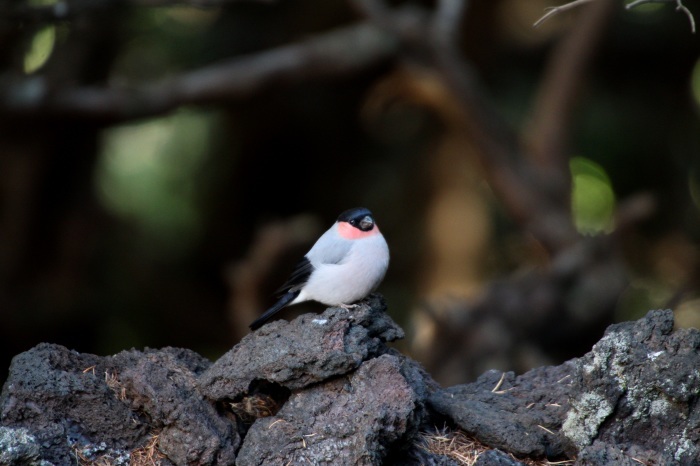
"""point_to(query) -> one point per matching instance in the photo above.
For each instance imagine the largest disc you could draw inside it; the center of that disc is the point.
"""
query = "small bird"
(345, 264)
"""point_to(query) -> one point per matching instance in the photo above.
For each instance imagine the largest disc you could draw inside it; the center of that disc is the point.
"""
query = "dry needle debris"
(466, 450)
(148, 455)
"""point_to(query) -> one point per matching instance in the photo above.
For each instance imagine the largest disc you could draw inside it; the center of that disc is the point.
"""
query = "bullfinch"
(344, 265)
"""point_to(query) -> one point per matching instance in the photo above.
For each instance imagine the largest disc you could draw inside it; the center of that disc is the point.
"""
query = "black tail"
(286, 298)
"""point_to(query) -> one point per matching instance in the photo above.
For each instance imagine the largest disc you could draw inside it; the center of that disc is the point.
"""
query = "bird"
(345, 264)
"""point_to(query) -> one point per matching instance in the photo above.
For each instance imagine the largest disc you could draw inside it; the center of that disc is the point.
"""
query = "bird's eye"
(367, 223)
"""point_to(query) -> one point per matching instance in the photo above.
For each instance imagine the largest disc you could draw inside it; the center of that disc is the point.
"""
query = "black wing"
(300, 275)
(288, 292)
(282, 302)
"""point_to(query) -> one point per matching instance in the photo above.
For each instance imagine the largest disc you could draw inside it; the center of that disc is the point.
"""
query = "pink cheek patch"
(347, 231)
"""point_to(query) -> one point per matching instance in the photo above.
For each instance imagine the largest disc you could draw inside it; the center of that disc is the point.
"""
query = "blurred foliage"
(593, 200)
(148, 173)
(40, 49)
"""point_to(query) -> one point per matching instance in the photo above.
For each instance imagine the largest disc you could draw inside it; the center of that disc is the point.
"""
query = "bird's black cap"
(354, 214)
(359, 217)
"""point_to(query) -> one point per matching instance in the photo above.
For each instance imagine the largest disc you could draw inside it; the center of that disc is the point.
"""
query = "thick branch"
(558, 94)
(513, 179)
(333, 54)
(64, 9)
(449, 18)
(498, 146)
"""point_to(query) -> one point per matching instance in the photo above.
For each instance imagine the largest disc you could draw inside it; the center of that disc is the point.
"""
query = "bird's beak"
(366, 223)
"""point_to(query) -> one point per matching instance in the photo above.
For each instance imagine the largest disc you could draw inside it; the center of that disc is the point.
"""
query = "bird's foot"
(347, 307)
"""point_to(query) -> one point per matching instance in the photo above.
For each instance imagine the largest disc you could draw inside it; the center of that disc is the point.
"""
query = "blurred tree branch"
(530, 175)
(334, 54)
(555, 10)
(522, 186)
(527, 170)
(67, 9)
(555, 102)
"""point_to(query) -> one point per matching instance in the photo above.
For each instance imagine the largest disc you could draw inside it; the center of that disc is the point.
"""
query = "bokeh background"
(163, 164)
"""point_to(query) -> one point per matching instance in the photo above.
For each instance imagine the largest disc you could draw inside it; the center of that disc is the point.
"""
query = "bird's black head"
(359, 217)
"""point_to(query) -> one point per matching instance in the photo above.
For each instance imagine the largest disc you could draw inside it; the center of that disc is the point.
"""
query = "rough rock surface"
(350, 420)
(162, 385)
(59, 404)
(496, 458)
(61, 397)
(82, 405)
(635, 395)
(18, 446)
(600, 453)
(515, 414)
(637, 390)
(421, 457)
(308, 350)
(334, 393)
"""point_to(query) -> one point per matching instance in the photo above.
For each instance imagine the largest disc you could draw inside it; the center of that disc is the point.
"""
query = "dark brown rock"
(521, 415)
(420, 457)
(351, 420)
(600, 453)
(62, 399)
(496, 458)
(635, 394)
(341, 396)
(308, 350)
(18, 446)
(105, 407)
(637, 390)
(162, 385)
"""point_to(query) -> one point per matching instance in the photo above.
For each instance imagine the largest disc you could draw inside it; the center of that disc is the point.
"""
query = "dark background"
(161, 169)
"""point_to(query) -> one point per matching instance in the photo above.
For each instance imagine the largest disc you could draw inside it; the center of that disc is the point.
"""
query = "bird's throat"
(347, 231)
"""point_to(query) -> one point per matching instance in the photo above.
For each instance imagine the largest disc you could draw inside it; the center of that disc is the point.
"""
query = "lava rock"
(635, 394)
(421, 457)
(350, 399)
(520, 415)
(638, 390)
(162, 384)
(308, 350)
(103, 408)
(350, 420)
(63, 400)
(496, 458)
(600, 453)
(18, 446)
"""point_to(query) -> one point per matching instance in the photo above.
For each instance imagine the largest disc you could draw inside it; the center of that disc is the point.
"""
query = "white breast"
(359, 273)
